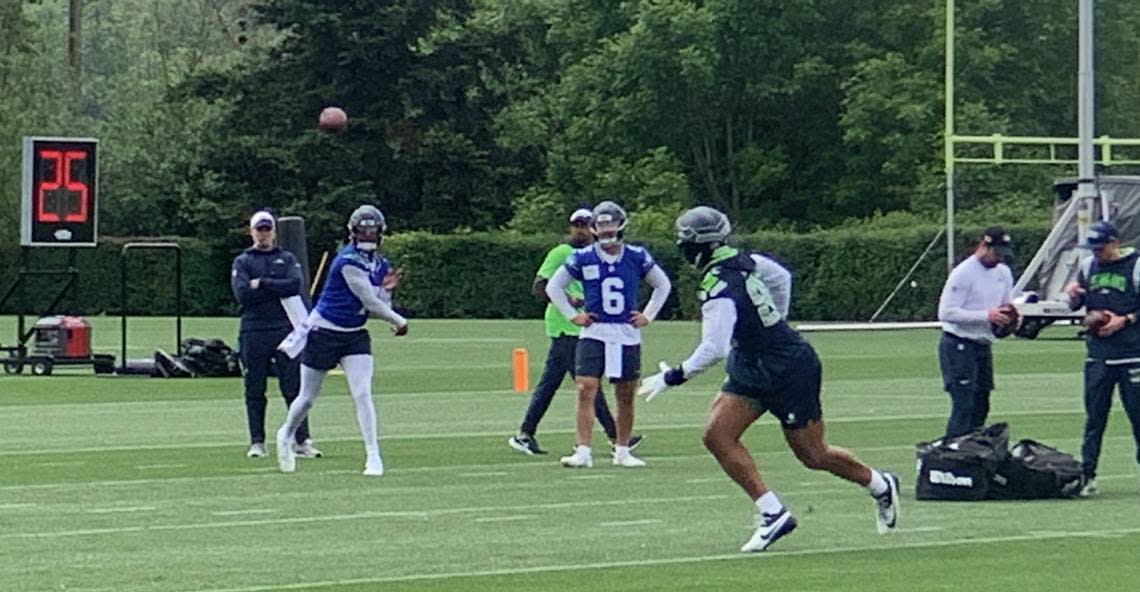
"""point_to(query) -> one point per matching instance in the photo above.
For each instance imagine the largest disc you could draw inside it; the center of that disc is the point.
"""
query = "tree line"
(504, 114)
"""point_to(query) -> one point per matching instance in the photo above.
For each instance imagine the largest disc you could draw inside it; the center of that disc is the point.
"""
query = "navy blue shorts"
(590, 360)
(788, 389)
(325, 348)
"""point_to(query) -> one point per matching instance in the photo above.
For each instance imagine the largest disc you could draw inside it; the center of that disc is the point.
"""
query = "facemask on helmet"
(608, 224)
(366, 227)
(700, 231)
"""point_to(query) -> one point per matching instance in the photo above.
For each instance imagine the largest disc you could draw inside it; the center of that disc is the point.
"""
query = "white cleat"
(578, 460)
(286, 460)
(887, 505)
(306, 449)
(374, 467)
(257, 450)
(1090, 489)
(628, 461)
(770, 528)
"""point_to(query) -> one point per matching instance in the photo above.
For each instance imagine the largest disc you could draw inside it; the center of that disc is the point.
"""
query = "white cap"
(581, 214)
(260, 218)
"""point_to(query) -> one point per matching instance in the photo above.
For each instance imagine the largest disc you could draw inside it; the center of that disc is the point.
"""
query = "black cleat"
(525, 445)
(634, 442)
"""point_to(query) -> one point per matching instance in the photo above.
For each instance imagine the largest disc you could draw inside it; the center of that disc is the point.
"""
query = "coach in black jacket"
(262, 275)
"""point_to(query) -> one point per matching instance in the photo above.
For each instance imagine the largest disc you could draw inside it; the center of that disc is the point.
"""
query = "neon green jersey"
(556, 324)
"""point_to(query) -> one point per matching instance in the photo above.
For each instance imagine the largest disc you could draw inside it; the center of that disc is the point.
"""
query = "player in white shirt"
(971, 303)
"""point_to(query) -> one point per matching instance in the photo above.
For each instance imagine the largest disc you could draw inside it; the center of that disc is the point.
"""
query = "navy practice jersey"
(338, 304)
(610, 288)
(760, 327)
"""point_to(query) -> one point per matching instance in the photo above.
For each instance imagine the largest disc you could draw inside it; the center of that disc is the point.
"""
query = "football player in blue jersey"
(359, 284)
(770, 368)
(610, 344)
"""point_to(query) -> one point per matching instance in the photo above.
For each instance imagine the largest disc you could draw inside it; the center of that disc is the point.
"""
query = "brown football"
(1095, 319)
(332, 119)
(1000, 331)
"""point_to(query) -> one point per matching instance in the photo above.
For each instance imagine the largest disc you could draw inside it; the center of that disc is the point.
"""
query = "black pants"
(257, 349)
(1100, 380)
(968, 377)
(559, 362)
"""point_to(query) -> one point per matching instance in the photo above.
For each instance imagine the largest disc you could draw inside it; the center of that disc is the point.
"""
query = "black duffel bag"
(961, 468)
(1037, 471)
(209, 357)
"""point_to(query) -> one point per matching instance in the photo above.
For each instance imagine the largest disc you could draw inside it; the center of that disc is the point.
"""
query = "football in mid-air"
(332, 119)
(1095, 319)
(1003, 331)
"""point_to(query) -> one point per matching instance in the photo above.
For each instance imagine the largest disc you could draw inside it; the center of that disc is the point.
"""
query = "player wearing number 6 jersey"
(770, 368)
(610, 344)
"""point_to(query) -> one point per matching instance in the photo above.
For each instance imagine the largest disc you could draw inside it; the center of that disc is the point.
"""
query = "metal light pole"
(1086, 110)
(74, 20)
(948, 134)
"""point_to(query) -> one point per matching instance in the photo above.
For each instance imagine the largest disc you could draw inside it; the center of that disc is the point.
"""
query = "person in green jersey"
(563, 343)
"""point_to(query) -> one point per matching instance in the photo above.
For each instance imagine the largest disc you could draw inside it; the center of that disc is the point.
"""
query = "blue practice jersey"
(338, 304)
(610, 288)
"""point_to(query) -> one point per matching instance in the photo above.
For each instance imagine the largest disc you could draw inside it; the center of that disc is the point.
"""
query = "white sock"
(311, 380)
(358, 372)
(621, 451)
(584, 450)
(769, 503)
(878, 485)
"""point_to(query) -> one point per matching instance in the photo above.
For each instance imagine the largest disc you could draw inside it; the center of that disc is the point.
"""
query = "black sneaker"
(634, 442)
(525, 445)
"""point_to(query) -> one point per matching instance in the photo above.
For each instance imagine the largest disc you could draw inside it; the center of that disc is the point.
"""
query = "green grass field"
(130, 484)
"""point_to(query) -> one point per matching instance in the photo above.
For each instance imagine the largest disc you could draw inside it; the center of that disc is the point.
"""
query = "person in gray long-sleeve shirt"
(262, 275)
(970, 304)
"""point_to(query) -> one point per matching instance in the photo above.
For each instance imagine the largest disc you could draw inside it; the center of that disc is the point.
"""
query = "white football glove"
(651, 386)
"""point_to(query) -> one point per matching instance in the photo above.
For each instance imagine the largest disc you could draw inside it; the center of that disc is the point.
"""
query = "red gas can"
(77, 337)
(63, 337)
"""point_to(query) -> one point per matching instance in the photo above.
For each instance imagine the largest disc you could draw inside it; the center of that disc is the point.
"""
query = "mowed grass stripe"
(769, 556)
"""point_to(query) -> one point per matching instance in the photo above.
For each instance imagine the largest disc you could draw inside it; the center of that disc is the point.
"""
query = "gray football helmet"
(699, 231)
(609, 219)
(366, 227)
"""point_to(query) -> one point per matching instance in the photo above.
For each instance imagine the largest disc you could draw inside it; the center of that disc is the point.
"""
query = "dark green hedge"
(151, 285)
(840, 274)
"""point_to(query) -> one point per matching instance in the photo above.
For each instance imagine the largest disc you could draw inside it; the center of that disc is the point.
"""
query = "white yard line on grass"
(422, 514)
(768, 556)
(259, 473)
(485, 474)
(625, 523)
(244, 512)
(160, 466)
(124, 510)
(506, 518)
(696, 427)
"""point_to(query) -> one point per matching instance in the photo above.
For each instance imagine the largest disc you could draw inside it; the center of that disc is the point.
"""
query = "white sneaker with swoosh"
(770, 529)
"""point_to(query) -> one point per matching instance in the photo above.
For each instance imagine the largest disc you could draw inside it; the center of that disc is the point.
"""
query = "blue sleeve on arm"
(574, 266)
(647, 263)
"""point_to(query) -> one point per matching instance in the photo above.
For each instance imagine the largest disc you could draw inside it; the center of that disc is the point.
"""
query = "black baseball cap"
(999, 239)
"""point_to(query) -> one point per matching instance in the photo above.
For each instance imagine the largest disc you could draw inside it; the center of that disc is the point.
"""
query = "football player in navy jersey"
(359, 284)
(770, 368)
(610, 344)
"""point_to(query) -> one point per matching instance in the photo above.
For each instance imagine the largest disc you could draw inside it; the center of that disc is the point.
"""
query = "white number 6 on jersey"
(613, 300)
